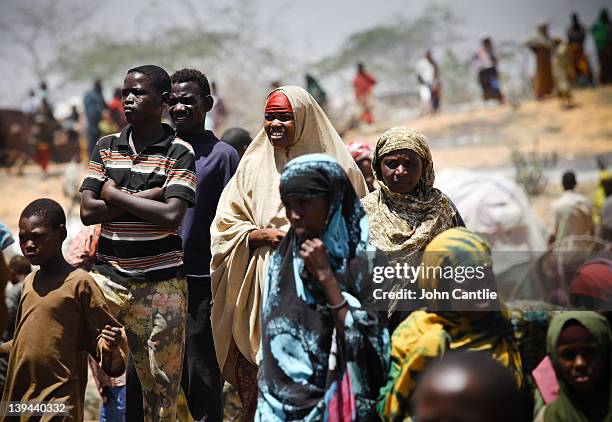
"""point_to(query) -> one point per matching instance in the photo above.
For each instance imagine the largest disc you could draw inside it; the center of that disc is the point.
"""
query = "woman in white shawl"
(251, 221)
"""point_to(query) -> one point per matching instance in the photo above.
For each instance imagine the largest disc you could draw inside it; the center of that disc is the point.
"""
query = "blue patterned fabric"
(306, 372)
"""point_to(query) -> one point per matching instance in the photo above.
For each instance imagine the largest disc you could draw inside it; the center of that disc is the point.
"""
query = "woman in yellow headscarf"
(251, 221)
(426, 335)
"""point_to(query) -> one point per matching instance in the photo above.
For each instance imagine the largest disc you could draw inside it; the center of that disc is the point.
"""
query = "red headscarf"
(594, 279)
(278, 103)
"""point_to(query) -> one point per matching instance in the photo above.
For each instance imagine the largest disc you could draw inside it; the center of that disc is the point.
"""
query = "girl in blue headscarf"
(324, 350)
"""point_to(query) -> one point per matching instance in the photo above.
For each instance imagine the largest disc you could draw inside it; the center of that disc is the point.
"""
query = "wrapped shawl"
(251, 201)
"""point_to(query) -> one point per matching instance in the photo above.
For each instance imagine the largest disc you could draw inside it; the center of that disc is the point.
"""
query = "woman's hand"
(265, 237)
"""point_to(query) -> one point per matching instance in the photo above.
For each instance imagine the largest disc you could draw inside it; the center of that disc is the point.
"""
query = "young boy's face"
(141, 101)
(187, 107)
(39, 241)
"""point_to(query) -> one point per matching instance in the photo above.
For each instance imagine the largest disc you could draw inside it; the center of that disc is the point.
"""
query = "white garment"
(572, 214)
(426, 70)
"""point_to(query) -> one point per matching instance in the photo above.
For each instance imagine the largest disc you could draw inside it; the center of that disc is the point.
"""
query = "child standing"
(139, 184)
(62, 317)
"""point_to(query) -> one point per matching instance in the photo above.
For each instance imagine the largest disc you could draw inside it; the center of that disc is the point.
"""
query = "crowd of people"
(251, 262)
(563, 63)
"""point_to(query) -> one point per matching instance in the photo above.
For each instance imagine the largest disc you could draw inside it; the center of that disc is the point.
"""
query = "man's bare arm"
(95, 210)
(166, 214)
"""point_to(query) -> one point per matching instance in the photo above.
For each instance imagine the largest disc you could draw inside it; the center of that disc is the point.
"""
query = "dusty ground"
(485, 137)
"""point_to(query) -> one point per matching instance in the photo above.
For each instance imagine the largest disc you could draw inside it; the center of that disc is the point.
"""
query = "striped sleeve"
(181, 180)
(96, 172)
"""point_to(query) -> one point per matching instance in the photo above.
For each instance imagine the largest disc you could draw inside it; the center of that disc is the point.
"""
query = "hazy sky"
(309, 29)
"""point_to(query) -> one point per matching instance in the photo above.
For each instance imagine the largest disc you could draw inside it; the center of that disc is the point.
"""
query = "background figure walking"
(575, 47)
(429, 83)
(541, 45)
(485, 61)
(363, 84)
(94, 104)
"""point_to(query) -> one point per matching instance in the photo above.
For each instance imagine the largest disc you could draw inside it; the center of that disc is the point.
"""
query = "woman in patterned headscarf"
(406, 212)
(324, 350)
(426, 335)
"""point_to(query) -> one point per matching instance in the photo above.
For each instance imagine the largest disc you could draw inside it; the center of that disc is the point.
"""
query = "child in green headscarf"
(579, 344)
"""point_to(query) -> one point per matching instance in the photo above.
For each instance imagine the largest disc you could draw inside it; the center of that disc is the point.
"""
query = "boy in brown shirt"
(62, 317)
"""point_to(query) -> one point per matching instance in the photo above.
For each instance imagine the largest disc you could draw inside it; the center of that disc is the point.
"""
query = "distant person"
(591, 286)
(219, 110)
(579, 346)
(62, 317)
(428, 77)
(44, 90)
(314, 88)
(572, 212)
(31, 105)
(576, 35)
(20, 268)
(541, 45)
(44, 133)
(467, 386)
(107, 125)
(71, 126)
(238, 138)
(602, 34)
(599, 197)
(116, 109)
(605, 220)
(362, 153)
(363, 85)
(215, 164)
(563, 73)
(94, 104)
(485, 60)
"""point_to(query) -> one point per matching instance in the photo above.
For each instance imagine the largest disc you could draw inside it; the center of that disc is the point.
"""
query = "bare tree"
(37, 31)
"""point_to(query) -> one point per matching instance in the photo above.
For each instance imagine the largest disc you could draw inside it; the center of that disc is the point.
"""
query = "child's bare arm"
(112, 346)
(95, 210)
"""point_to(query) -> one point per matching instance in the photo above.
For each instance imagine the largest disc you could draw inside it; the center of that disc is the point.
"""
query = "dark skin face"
(308, 216)
(401, 170)
(142, 104)
(581, 361)
(188, 108)
(365, 166)
(39, 242)
(452, 396)
(280, 128)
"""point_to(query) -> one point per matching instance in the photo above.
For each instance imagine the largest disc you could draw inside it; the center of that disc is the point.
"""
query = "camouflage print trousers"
(154, 316)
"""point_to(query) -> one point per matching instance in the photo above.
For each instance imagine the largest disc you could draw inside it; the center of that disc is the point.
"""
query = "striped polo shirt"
(131, 248)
